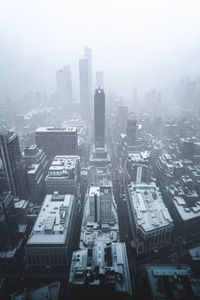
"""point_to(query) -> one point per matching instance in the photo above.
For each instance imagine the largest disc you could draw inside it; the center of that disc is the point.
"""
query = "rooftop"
(50, 292)
(186, 212)
(63, 166)
(149, 209)
(51, 226)
(56, 129)
(172, 282)
(103, 264)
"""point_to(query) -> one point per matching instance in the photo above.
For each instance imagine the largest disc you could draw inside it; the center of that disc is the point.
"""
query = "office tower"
(131, 130)
(84, 88)
(88, 55)
(100, 203)
(13, 163)
(99, 118)
(8, 224)
(57, 141)
(121, 120)
(99, 78)
(49, 243)
(63, 175)
(37, 167)
(3, 179)
(64, 87)
(101, 271)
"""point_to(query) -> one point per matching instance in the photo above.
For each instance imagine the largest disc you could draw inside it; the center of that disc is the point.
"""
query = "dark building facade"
(13, 163)
(37, 167)
(99, 118)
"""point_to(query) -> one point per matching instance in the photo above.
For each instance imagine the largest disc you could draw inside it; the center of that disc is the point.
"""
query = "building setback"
(57, 141)
(63, 175)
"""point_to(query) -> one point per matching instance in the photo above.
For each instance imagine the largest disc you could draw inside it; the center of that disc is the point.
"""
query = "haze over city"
(99, 150)
(148, 44)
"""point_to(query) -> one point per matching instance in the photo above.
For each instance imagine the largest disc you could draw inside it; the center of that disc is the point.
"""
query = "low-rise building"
(101, 270)
(151, 223)
(49, 243)
(172, 282)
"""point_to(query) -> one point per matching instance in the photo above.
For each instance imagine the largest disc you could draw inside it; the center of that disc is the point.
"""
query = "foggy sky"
(148, 44)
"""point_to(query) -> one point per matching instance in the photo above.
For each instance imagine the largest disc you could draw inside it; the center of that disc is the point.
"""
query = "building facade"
(57, 141)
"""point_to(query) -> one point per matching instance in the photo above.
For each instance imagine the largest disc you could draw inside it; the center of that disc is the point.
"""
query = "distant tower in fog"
(135, 94)
(99, 118)
(131, 130)
(99, 78)
(84, 87)
(64, 86)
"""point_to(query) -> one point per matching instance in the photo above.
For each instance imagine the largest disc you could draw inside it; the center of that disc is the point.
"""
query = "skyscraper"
(99, 78)
(88, 55)
(57, 141)
(84, 87)
(13, 164)
(64, 87)
(131, 130)
(99, 118)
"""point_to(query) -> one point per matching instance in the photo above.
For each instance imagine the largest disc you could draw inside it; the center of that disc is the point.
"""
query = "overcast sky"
(143, 43)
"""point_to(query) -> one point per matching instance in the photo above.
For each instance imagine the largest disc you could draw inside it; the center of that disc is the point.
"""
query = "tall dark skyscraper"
(13, 163)
(99, 118)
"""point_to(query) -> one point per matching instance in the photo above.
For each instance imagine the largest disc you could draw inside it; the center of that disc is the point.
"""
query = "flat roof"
(185, 212)
(56, 129)
(62, 165)
(148, 207)
(115, 269)
(51, 226)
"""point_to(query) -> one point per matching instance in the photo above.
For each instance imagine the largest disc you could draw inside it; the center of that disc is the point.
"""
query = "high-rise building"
(131, 130)
(100, 203)
(13, 163)
(37, 165)
(57, 141)
(99, 78)
(88, 55)
(8, 223)
(64, 87)
(84, 87)
(121, 120)
(99, 118)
